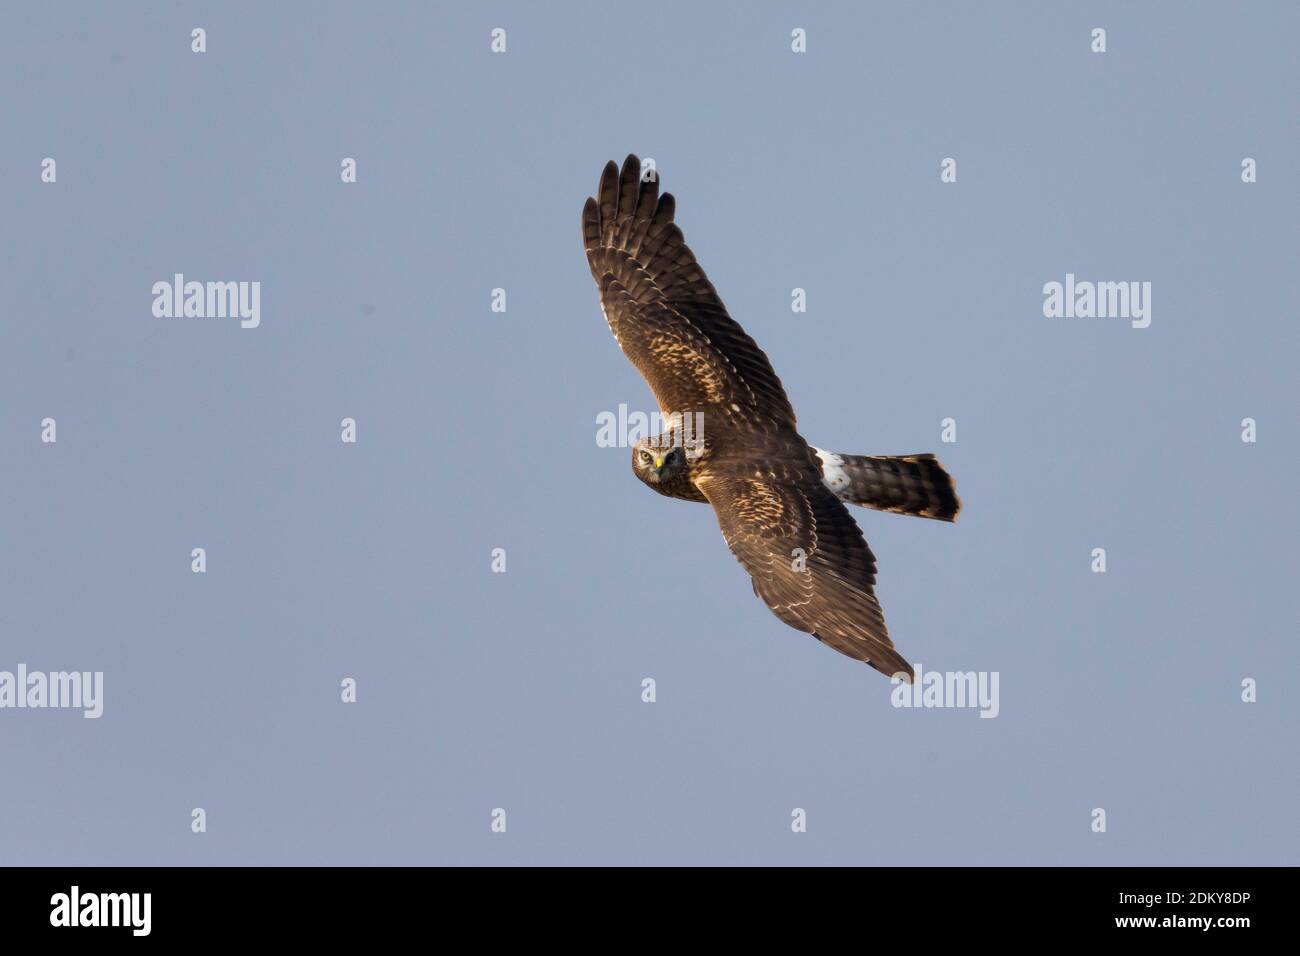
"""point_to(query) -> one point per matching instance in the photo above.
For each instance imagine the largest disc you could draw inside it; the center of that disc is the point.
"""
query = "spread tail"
(906, 484)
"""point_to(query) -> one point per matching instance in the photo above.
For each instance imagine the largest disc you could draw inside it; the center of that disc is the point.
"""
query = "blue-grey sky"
(476, 430)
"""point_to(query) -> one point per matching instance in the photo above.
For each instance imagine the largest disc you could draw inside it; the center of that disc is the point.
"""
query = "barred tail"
(907, 484)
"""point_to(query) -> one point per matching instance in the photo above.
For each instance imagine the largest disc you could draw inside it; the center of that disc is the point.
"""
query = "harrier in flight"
(778, 500)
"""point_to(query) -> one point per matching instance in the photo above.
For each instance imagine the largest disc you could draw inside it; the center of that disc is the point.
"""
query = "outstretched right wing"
(664, 312)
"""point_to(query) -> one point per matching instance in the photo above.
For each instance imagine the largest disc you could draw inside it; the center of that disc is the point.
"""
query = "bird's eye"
(645, 457)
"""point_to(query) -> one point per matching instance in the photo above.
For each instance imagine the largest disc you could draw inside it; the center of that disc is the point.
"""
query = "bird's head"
(659, 463)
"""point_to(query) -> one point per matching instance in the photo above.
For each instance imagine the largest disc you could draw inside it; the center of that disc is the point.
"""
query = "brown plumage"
(777, 499)
(904, 484)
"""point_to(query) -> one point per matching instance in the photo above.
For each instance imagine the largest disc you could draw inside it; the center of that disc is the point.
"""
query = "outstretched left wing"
(807, 557)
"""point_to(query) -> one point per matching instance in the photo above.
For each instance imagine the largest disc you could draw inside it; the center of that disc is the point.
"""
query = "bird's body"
(778, 500)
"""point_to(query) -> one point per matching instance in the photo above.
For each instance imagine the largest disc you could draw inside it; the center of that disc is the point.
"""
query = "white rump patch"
(834, 476)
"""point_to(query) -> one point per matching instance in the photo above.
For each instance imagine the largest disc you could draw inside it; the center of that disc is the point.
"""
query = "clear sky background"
(477, 430)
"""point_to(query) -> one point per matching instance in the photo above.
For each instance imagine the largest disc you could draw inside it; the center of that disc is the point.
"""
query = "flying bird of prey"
(778, 500)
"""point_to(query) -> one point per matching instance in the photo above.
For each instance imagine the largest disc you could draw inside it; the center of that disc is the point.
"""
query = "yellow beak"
(659, 462)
